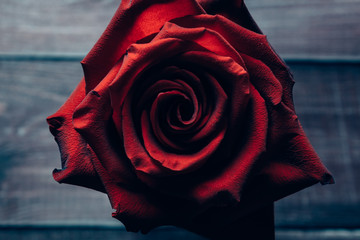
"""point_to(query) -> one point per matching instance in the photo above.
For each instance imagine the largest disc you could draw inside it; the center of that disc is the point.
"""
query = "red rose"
(184, 118)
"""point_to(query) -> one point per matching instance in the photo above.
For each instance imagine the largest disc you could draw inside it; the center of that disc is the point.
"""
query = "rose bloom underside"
(184, 125)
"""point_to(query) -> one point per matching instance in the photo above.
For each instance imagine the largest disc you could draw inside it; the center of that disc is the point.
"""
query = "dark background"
(41, 44)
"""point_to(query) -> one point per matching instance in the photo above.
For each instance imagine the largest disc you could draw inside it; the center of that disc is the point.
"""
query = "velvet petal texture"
(134, 20)
(76, 155)
(185, 118)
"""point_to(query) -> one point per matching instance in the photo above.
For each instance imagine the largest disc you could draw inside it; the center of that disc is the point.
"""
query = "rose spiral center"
(178, 114)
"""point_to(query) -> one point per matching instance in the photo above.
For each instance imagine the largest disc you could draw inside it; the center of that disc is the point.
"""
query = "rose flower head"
(184, 117)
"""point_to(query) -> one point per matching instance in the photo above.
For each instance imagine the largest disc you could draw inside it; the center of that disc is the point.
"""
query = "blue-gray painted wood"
(163, 234)
(300, 28)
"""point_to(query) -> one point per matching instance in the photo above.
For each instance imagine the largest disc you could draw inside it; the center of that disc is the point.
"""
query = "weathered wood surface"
(300, 28)
(29, 92)
(327, 101)
(164, 234)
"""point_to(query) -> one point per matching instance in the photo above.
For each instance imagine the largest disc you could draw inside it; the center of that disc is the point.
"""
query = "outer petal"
(294, 160)
(231, 179)
(134, 20)
(234, 10)
(245, 42)
(205, 37)
(92, 119)
(264, 80)
(138, 207)
(76, 155)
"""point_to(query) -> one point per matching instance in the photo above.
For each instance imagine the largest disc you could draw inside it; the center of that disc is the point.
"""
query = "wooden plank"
(53, 26)
(29, 92)
(327, 234)
(327, 102)
(311, 28)
(91, 234)
(168, 233)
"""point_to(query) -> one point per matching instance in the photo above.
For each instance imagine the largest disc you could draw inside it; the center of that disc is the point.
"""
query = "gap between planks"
(77, 57)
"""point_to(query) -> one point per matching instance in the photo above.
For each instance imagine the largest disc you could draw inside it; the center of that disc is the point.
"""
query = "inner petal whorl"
(179, 110)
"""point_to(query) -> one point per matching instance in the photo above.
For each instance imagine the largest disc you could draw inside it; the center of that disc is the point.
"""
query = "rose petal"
(137, 59)
(132, 144)
(232, 85)
(264, 80)
(92, 119)
(165, 86)
(136, 208)
(234, 10)
(192, 85)
(134, 20)
(232, 178)
(294, 166)
(245, 42)
(297, 167)
(139, 208)
(188, 122)
(205, 37)
(76, 155)
(159, 109)
(217, 115)
(174, 162)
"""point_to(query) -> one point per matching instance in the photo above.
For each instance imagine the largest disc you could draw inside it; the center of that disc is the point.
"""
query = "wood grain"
(328, 104)
(310, 28)
(295, 28)
(166, 234)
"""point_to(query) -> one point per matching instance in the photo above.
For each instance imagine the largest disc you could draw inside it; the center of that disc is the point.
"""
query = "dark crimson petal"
(137, 207)
(203, 110)
(76, 155)
(92, 119)
(289, 165)
(245, 42)
(160, 108)
(161, 86)
(234, 10)
(174, 162)
(264, 80)
(231, 74)
(133, 146)
(218, 112)
(292, 150)
(137, 59)
(205, 37)
(153, 90)
(134, 20)
(194, 102)
(192, 85)
(295, 168)
(231, 179)
(232, 86)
